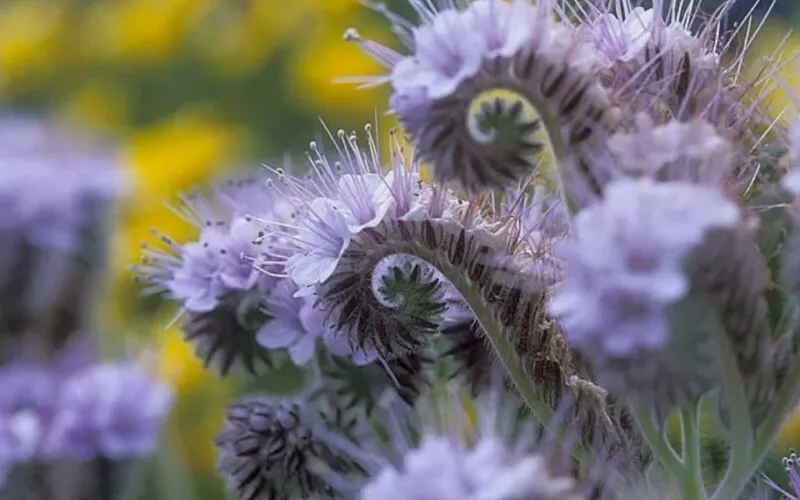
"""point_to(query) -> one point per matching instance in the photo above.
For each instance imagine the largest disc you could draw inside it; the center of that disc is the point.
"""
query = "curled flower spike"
(55, 190)
(626, 285)
(265, 450)
(214, 278)
(487, 87)
(669, 61)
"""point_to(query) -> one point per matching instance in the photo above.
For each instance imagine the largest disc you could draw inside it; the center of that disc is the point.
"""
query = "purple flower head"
(113, 410)
(223, 259)
(221, 278)
(52, 183)
(624, 272)
(337, 199)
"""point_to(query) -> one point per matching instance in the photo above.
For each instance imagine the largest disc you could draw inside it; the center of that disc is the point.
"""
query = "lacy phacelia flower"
(625, 274)
(484, 83)
(265, 450)
(113, 411)
(220, 279)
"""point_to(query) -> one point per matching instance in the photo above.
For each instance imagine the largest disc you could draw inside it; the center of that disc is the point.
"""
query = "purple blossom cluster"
(74, 410)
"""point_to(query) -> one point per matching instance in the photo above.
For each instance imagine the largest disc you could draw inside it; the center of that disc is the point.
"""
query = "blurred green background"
(190, 88)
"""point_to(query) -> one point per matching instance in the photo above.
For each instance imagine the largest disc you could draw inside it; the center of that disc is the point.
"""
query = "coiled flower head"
(626, 288)
(487, 86)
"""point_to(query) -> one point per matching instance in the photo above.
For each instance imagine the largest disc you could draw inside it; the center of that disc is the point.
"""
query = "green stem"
(692, 487)
(505, 352)
(657, 441)
(780, 410)
(740, 465)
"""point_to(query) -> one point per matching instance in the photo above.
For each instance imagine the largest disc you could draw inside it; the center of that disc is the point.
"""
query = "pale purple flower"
(223, 259)
(624, 272)
(52, 181)
(112, 410)
(296, 325)
(621, 40)
(447, 51)
(325, 235)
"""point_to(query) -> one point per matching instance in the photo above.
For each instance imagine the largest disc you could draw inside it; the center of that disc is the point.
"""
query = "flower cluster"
(62, 407)
(607, 241)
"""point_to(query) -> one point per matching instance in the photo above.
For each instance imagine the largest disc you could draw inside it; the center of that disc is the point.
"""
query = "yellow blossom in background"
(786, 80)
(197, 389)
(239, 39)
(324, 58)
(29, 37)
(97, 104)
(139, 31)
(178, 365)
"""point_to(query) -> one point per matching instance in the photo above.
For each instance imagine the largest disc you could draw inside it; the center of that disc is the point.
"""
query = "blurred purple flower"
(51, 182)
(111, 410)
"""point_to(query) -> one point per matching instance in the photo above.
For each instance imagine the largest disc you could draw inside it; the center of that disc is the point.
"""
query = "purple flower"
(221, 279)
(296, 325)
(51, 182)
(624, 272)
(325, 235)
(113, 410)
(224, 258)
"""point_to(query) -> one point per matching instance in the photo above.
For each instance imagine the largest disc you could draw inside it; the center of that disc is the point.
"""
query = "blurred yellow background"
(188, 89)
